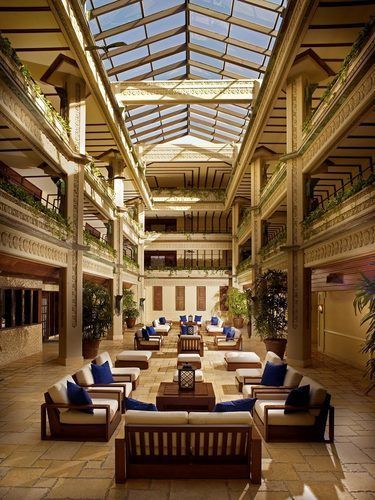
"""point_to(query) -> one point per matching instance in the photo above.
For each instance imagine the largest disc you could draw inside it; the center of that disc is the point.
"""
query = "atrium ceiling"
(186, 39)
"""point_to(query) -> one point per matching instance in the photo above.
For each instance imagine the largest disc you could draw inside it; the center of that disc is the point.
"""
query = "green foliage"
(51, 113)
(89, 240)
(272, 244)
(237, 302)
(193, 192)
(96, 311)
(129, 305)
(130, 263)
(365, 297)
(337, 200)
(62, 229)
(270, 304)
(244, 265)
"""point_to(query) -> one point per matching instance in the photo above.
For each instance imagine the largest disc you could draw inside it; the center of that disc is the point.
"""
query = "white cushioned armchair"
(254, 375)
(251, 385)
(307, 424)
(123, 374)
(215, 329)
(230, 345)
(69, 423)
(162, 329)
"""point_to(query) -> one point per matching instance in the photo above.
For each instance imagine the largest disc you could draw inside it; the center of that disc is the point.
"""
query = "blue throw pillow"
(214, 321)
(184, 329)
(245, 404)
(298, 397)
(77, 395)
(162, 321)
(150, 330)
(197, 319)
(183, 318)
(230, 334)
(102, 373)
(134, 404)
(273, 374)
(145, 334)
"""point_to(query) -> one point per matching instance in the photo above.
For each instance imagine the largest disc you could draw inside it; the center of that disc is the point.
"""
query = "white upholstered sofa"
(178, 444)
(215, 329)
(162, 329)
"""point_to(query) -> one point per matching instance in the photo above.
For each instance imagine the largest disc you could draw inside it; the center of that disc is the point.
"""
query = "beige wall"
(169, 311)
(16, 343)
(339, 332)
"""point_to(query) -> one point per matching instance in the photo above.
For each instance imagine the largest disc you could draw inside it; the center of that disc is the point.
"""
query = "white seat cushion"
(217, 418)
(214, 329)
(98, 417)
(162, 328)
(241, 373)
(317, 393)
(198, 376)
(146, 343)
(242, 357)
(292, 377)
(273, 358)
(134, 372)
(84, 375)
(227, 343)
(278, 417)
(188, 357)
(134, 355)
(156, 417)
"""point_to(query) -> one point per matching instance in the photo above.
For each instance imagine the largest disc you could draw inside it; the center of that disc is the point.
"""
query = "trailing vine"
(244, 265)
(50, 112)
(272, 244)
(130, 263)
(219, 194)
(89, 240)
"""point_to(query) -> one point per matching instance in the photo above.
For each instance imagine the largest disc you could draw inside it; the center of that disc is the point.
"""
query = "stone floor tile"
(25, 494)
(64, 468)
(21, 476)
(80, 488)
(359, 481)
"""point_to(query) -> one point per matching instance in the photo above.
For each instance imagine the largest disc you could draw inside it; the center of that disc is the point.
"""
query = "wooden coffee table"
(169, 397)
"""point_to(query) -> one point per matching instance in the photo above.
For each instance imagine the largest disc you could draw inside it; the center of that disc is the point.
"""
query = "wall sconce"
(118, 304)
(320, 308)
(141, 302)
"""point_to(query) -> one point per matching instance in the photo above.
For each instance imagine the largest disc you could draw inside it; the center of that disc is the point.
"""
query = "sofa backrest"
(317, 393)
(156, 322)
(272, 358)
(102, 358)
(292, 377)
(84, 376)
(58, 392)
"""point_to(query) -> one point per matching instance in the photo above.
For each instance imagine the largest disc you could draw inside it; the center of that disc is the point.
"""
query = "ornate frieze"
(96, 267)
(162, 154)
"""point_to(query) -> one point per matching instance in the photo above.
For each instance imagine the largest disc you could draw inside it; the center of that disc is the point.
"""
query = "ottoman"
(139, 359)
(132, 372)
(192, 358)
(251, 373)
(236, 360)
(198, 376)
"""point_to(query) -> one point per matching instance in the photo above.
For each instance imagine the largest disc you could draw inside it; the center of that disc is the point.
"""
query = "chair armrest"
(251, 380)
(122, 378)
(100, 388)
(268, 389)
(219, 337)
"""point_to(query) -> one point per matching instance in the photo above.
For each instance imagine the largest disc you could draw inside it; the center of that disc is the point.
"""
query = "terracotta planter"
(238, 322)
(130, 322)
(90, 348)
(277, 346)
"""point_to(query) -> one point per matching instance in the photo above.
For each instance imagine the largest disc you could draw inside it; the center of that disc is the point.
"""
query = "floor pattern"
(34, 469)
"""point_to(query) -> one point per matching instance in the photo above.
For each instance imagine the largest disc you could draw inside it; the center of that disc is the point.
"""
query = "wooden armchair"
(229, 345)
(307, 424)
(153, 344)
(68, 422)
(190, 343)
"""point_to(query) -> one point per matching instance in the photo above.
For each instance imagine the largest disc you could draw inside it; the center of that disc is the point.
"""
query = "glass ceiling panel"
(165, 25)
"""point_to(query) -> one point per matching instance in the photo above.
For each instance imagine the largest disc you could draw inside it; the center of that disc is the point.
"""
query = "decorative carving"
(358, 242)
(96, 267)
(160, 153)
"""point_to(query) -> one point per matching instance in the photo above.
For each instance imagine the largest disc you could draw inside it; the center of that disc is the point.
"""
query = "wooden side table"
(169, 397)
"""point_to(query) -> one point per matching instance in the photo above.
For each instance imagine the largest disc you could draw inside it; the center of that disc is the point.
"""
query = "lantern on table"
(186, 377)
(190, 318)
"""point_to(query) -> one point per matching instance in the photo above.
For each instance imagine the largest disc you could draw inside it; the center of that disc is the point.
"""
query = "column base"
(70, 361)
(302, 363)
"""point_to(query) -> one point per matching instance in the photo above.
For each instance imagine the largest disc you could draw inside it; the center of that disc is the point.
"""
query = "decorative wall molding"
(19, 244)
(354, 244)
(162, 154)
(96, 267)
(182, 281)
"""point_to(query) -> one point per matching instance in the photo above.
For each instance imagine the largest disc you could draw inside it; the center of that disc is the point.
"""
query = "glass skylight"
(175, 39)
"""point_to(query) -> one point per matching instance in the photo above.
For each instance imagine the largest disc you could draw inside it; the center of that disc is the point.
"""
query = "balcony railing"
(273, 182)
(174, 270)
(129, 264)
(99, 244)
(99, 181)
(244, 265)
(273, 245)
(23, 76)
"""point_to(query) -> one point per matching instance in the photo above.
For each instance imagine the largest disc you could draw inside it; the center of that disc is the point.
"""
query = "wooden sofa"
(68, 423)
(188, 445)
(190, 344)
(306, 425)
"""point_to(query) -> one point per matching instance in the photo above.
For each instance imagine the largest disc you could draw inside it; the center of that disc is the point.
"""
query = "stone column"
(141, 293)
(255, 221)
(115, 333)
(70, 341)
(299, 279)
(235, 246)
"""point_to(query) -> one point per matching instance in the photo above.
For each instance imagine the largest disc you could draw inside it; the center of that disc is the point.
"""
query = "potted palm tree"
(270, 309)
(249, 314)
(129, 308)
(96, 317)
(365, 298)
(237, 306)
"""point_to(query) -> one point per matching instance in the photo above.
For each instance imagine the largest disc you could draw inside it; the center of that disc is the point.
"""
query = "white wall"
(169, 311)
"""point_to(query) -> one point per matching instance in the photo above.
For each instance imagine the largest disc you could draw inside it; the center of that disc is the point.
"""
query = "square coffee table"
(169, 397)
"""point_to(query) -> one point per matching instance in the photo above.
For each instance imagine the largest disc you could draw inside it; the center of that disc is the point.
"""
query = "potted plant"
(129, 308)
(237, 306)
(96, 317)
(270, 309)
(365, 297)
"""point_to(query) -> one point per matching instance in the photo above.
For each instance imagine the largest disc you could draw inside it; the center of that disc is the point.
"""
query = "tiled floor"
(33, 469)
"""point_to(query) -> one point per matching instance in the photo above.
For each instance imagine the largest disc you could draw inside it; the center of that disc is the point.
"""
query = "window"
(157, 298)
(201, 298)
(19, 306)
(180, 298)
